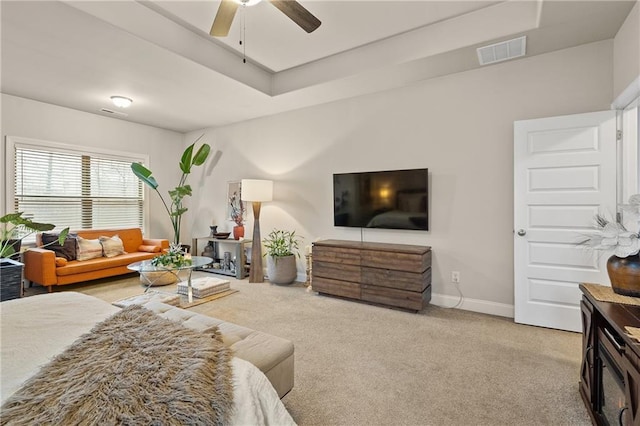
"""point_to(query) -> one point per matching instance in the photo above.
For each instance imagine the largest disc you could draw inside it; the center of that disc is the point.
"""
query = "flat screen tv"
(393, 199)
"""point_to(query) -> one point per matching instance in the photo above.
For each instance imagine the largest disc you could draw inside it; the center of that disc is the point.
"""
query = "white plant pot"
(282, 270)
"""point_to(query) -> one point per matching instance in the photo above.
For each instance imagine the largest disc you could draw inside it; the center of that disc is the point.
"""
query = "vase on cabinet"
(624, 274)
(238, 232)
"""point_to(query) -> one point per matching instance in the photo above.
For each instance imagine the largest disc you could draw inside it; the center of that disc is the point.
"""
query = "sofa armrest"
(163, 243)
(40, 266)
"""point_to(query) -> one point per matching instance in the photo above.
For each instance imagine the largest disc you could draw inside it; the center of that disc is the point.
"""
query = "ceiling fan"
(294, 10)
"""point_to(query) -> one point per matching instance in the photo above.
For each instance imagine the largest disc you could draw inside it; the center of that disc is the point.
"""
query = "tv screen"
(394, 199)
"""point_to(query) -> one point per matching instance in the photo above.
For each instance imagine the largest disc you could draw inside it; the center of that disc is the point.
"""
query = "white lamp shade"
(257, 190)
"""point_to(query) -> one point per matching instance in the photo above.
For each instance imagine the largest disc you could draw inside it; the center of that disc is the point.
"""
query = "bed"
(36, 329)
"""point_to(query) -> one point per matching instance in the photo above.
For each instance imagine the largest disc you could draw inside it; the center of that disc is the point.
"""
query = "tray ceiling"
(78, 54)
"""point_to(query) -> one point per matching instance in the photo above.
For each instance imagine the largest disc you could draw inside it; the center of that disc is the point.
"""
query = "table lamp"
(256, 191)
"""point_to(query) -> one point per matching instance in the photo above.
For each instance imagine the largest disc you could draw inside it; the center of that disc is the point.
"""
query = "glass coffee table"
(145, 266)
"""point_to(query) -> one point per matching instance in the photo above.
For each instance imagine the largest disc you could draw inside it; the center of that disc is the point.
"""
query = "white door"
(565, 173)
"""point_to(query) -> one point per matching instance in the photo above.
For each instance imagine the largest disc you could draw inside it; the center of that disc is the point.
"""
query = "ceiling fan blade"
(224, 18)
(298, 14)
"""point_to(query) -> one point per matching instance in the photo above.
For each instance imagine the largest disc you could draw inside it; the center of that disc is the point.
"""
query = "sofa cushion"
(149, 248)
(112, 246)
(67, 250)
(131, 237)
(88, 249)
(76, 267)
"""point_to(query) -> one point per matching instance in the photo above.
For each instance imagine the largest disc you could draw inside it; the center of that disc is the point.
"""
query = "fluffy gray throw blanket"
(133, 368)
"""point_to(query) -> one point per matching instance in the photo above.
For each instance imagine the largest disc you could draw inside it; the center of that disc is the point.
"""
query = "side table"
(239, 260)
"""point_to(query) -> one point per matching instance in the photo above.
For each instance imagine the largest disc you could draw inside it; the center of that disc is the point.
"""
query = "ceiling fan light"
(121, 101)
(247, 2)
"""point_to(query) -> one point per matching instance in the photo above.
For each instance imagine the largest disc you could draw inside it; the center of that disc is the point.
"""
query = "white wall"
(38, 120)
(626, 54)
(459, 126)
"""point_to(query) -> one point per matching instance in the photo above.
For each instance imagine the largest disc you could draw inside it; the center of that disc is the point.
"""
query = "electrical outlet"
(455, 276)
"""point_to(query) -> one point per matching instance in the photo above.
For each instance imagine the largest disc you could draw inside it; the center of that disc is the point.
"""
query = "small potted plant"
(174, 257)
(167, 265)
(282, 249)
(237, 215)
(14, 227)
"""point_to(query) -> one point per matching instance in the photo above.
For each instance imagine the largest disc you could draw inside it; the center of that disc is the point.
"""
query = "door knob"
(522, 232)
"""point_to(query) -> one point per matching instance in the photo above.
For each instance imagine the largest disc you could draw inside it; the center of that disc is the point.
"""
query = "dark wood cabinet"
(396, 275)
(586, 368)
(610, 369)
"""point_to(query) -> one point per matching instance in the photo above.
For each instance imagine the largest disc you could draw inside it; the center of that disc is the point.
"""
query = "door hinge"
(618, 135)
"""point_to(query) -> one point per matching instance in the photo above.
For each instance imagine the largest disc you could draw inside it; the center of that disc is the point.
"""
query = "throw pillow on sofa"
(112, 246)
(67, 250)
(88, 249)
(149, 249)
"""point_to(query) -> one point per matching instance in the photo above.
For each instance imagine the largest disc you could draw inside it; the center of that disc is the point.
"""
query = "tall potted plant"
(282, 249)
(13, 229)
(175, 210)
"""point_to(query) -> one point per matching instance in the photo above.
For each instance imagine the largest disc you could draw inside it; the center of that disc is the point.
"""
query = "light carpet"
(358, 364)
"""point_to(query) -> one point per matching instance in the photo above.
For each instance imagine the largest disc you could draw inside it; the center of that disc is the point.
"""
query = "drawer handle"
(613, 340)
(586, 353)
(620, 414)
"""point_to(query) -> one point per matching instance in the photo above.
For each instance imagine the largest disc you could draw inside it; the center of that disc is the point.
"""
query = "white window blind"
(77, 190)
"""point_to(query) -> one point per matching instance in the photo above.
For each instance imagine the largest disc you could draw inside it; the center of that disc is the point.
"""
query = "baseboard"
(474, 305)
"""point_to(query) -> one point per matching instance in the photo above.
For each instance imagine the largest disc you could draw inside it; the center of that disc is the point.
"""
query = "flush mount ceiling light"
(247, 2)
(121, 101)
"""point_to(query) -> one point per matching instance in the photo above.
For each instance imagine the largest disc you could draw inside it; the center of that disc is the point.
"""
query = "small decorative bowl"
(222, 235)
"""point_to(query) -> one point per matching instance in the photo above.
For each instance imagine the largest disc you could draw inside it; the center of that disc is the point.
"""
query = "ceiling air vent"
(502, 51)
(110, 111)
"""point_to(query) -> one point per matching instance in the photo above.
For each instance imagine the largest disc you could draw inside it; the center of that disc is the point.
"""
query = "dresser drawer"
(398, 261)
(393, 297)
(339, 255)
(336, 270)
(336, 287)
(397, 279)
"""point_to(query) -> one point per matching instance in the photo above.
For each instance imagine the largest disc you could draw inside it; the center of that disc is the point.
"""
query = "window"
(76, 189)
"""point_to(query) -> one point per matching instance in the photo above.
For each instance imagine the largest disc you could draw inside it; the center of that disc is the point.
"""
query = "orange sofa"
(40, 263)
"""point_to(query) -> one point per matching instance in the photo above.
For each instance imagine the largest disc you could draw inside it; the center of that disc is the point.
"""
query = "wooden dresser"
(610, 370)
(396, 275)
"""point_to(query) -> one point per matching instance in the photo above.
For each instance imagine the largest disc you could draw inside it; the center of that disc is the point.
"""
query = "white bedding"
(36, 328)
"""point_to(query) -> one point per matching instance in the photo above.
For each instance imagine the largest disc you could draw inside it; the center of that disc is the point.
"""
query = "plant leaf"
(201, 155)
(18, 220)
(179, 212)
(40, 227)
(63, 236)
(144, 175)
(179, 192)
(11, 217)
(186, 160)
(7, 251)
